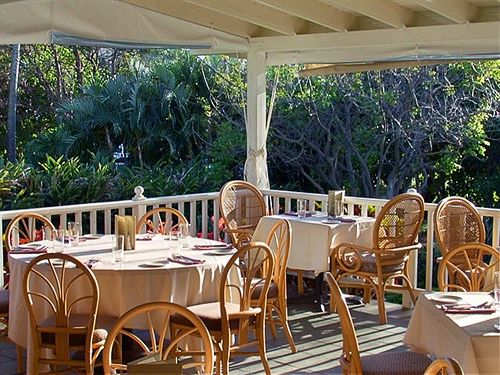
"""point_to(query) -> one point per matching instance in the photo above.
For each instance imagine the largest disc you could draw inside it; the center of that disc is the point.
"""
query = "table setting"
(462, 325)
(160, 268)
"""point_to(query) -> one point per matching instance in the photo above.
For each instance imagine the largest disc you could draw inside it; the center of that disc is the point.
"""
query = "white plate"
(230, 251)
(60, 262)
(152, 264)
(446, 299)
(331, 221)
(32, 245)
(93, 236)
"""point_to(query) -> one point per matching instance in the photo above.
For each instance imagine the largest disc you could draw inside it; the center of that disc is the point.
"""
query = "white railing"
(204, 209)
(286, 200)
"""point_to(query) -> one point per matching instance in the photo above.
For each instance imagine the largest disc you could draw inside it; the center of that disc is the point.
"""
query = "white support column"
(256, 163)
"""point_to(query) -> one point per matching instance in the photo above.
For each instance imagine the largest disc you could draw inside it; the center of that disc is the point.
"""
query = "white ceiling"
(288, 31)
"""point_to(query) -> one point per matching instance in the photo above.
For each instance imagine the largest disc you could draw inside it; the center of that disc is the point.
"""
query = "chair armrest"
(397, 249)
(347, 257)
(242, 236)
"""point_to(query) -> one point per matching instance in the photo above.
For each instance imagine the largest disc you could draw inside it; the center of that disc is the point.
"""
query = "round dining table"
(147, 273)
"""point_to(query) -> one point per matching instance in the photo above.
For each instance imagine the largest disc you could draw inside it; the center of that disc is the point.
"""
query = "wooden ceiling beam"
(201, 16)
(458, 11)
(316, 12)
(384, 11)
(254, 13)
(312, 70)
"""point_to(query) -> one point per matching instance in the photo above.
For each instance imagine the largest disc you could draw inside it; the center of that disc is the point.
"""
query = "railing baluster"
(204, 218)
(93, 221)
(192, 214)
(216, 204)
(429, 259)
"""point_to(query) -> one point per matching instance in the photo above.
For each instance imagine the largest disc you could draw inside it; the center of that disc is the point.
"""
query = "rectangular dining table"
(314, 237)
(143, 276)
(471, 338)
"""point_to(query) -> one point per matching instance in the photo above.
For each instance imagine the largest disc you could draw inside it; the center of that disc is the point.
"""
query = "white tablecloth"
(312, 240)
(128, 284)
(469, 338)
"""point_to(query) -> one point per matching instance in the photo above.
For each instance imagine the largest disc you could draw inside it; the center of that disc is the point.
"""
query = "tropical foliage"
(180, 122)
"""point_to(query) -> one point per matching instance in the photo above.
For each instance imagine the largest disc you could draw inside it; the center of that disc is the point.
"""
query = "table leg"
(318, 292)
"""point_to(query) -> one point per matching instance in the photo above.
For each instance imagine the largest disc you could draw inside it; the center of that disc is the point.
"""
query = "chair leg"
(367, 294)
(284, 322)
(410, 289)
(261, 338)
(300, 282)
(226, 340)
(272, 326)
(380, 291)
(217, 362)
(20, 361)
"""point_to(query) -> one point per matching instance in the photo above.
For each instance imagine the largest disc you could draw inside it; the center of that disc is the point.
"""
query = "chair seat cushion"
(369, 264)
(210, 314)
(273, 289)
(102, 327)
(401, 363)
(4, 301)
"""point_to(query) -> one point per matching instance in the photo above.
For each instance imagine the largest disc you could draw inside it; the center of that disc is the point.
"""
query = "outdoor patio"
(317, 336)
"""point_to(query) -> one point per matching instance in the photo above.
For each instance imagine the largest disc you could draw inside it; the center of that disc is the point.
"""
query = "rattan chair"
(156, 339)
(456, 222)
(279, 241)
(4, 326)
(61, 285)
(160, 220)
(394, 237)
(471, 265)
(225, 318)
(383, 363)
(444, 366)
(242, 205)
(25, 228)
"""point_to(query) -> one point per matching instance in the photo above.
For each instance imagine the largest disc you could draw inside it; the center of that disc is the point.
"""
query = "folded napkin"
(66, 239)
(222, 246)
(485, 308)
(144, 238)
(89, 263)
(29, 249)
(346, 219)
(185, 260)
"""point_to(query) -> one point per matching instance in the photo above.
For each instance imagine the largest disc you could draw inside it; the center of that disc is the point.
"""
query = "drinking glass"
(58, 240)
(184, 235)
(117, 250)
(302, 208)
(73, 232)
(175, 242)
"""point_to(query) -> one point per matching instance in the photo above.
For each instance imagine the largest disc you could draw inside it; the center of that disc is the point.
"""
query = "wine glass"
(73, 232)
(302, 208)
